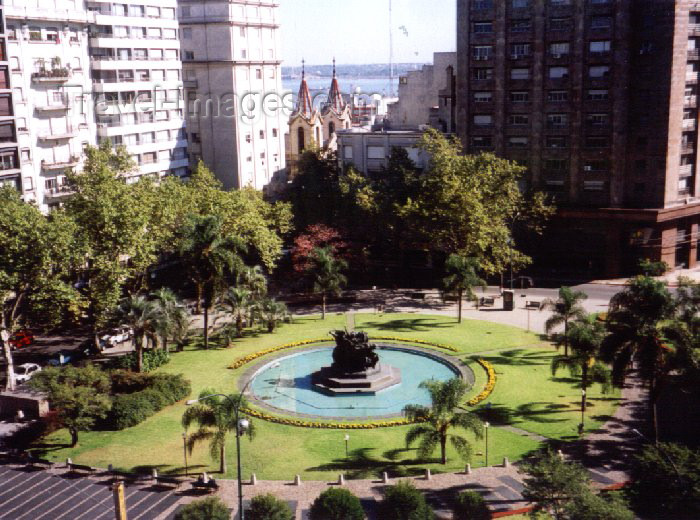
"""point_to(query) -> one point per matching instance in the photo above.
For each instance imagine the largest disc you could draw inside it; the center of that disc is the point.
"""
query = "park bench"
(35, 461)
(209, 486)
(75, 468)
(532, 304)
(169, 481)
(487, 302)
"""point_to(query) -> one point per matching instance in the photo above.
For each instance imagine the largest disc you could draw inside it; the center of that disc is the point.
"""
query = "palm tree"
(462, 277)
(238, 302)
(585, 338)
(144, 319)
(272, 312)
(327, 274)
(254, 280)
(174, 316)
(565, 309)
(210, 258)
(437, 420)
(215, 418)
(634, 319)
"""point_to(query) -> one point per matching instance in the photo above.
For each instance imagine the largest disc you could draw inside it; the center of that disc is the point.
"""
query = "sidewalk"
(671, 278)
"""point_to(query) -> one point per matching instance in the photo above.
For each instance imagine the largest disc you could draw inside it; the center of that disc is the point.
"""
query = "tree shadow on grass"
(362, 464)
(519, 357)
(407, 325)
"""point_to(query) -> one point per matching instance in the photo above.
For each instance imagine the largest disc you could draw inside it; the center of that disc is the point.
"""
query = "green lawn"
(280, 452)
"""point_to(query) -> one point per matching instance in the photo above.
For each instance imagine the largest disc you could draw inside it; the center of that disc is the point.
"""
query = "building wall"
(230, 53)
(419, 92)
(10, 170)
(369, 151)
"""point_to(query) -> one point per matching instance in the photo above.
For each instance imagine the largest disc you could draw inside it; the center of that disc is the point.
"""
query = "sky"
(357, 31)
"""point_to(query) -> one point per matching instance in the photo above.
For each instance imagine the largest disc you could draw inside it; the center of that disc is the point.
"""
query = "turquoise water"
(288, 387)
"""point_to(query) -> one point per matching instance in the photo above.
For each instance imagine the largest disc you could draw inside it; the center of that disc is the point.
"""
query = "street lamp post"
(583, 410)
(486, 428)
(184, 450)
(347, 439)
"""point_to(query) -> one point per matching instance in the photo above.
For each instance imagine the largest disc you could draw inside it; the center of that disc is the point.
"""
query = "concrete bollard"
(385, 478)
(297, 480)
(506, 462)
(341, 480)
(253, 480)
(154, 474)
(468, 469)
(428, 476)
(561, 454)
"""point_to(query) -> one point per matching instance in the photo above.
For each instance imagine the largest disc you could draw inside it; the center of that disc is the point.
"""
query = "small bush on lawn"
(650, 268)
(152, 359)
(126, 382)
(471, 506)
(337, 504)
(268, 507)
(131, 409)
(211, 508)
(404, 502)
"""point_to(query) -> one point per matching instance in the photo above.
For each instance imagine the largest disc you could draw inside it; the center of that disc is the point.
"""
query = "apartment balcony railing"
(689, 124)
(691, 78)
(55, 135)
(694, 29)
(60, 165)
(57, 75)
(690, 102)
(58, 191)
(55, 106)
(686, 170)
(693, 54)
(687, 148)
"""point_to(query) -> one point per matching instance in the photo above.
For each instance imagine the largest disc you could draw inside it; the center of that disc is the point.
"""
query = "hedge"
(152, 359)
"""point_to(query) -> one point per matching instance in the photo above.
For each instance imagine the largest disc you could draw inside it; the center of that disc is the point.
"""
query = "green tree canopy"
(336, 504)
(268, 507)
(403, 501)
(210, 508)
(462, 278)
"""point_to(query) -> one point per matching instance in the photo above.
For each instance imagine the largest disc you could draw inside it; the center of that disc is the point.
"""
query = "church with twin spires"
(314, 127)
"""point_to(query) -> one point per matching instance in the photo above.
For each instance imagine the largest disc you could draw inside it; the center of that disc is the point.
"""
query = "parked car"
(24, 373)
(63, 357)
(21, 338)
(115, 337)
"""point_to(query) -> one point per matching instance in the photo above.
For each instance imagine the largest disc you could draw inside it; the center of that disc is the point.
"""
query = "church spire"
(335, 98)
(304, 105)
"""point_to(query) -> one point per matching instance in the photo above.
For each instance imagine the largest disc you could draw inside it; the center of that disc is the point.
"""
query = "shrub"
(404, 502)
(211, 508)
(268, 507)
(175, 387)
(650, 268)
(470, 505)
(152, 359)
(126, 382)
(337, 504)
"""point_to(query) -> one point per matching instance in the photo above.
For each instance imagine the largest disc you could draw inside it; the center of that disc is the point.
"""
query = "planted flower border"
(288, 421)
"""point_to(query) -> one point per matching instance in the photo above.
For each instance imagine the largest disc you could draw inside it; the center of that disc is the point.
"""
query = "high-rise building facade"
(233, 81)
(10, 171)
(84, 71)
(597, 98)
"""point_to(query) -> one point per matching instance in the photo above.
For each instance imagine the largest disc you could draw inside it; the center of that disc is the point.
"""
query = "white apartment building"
(84, 71)
(233, 85)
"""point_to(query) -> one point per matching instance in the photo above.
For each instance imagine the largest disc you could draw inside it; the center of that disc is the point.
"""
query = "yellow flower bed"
(490, 384)
(325, 425)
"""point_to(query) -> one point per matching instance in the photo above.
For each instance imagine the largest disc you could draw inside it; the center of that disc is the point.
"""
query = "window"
(347, 152)
(519, 50)
(519, 120)
(520, 96)
(274, 132)
(557, 96)
(520, 26)
(244, 54)
(597, 142)
(242, 32)
(599, 2)
(598, 119)
(186, 33)
(558, 72)
(34, 34)
(26, 155)
(518, 142)
(483, 141)
(557, 3)
(560, 24)
(262, 134)
(258, 73)
(520, 4)
(519, 73)
(482, 52)
(188, 55)
(599, 71)
(376, 152)
(556, 141)
(248, 138)
(599, 47)
(186, 11)
(598, 95)
(593, 185)
(557, 120)
(483, 27)
(8, 160)
(483, 120)
(556, 165)
(483, 97)
(482, 74)
(601, 22)
(51, 34)
(559, 49)
(11, 32)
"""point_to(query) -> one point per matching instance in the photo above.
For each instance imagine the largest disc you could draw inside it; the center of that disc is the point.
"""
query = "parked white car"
(24, 373)
(116, 337)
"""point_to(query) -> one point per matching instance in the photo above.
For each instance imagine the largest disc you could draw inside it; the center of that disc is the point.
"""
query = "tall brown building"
(598, 98)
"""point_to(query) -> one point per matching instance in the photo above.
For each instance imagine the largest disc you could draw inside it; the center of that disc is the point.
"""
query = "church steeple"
(304, 105)
(335, 98)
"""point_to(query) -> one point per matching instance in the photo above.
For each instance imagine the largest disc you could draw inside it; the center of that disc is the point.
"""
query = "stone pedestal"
(371, 381)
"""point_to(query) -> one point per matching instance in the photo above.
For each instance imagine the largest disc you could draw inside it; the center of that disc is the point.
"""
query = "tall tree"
(635, 317)
(565, 309)
(145, 319)
(37, 254)
(80, 396)
(254, 280)
(215, 418)
(211, 259)
(585, 338)
(272, 313)
(462, 278)
(237, 302)
(436, 421)
(327, 273)
(174, 318)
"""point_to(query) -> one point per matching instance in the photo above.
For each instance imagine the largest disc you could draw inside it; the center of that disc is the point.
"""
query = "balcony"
(690, 102)
(60, 165)
(57, 75)
(58, 191)
(191, 83)
(54, 107)
(685, 171)
(693, 54)
(689, 125)
(687, 148)
(694, 29)
(65, 133)
(691, 78)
